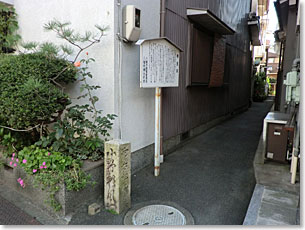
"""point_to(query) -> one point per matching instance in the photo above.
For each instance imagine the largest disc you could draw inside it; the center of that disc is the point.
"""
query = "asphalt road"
(12, 215)
(211, 176)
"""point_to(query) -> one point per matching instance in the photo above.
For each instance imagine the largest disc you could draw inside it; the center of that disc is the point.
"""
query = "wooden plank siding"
(184, 108)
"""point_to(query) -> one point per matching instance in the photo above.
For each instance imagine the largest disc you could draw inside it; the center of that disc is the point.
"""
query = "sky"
(272, 25)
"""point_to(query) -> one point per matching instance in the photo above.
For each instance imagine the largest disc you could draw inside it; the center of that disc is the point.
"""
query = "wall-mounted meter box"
(131, 23)
(293, 86)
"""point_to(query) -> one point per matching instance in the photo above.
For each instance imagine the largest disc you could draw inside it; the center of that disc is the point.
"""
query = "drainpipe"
(162, 18)
(278, 80)
(251, 76)
(119, 60)
(267, 57)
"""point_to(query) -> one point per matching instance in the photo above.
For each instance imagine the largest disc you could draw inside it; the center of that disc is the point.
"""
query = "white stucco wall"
(10, 2)
(120, 95)
(254, 6)
(83, 15)
(137, 104)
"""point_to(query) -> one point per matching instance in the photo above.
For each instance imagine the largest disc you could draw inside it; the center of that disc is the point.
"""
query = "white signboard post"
(159, 67)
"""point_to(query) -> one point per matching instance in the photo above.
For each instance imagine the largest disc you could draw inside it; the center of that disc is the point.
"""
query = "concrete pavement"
(211, 176)
(273, 206)
(275, 201)
(12, 215)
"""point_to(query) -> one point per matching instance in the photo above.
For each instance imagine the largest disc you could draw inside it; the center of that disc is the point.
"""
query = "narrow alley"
(164, 112)
(211, 176)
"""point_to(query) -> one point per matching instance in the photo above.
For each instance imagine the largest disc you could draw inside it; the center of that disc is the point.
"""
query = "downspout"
(267, 57)
(162, 34)
(119, 60)
(251, 63)
(251, 76)
(278, 80)
(162, 18)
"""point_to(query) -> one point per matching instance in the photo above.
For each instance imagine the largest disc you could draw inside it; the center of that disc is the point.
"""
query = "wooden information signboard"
(159, 67)
(159, 63)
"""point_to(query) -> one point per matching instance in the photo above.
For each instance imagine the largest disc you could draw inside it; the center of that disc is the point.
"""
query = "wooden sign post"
(159, 67)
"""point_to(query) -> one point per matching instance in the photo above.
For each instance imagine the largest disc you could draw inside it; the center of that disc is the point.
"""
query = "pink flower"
(45, 167)
(21, 182)
(17, 160)
(77, 64)
(44, 163)
(24, 161)
(13, 154)
(12, 158)
(41, 167)
(11, 163)
(34, 170)
(15, 165)
(49, 153)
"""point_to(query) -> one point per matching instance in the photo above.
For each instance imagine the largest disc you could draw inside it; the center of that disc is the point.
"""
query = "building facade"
(215, 65)
(288, 38)
(196, 102)
(272, 70)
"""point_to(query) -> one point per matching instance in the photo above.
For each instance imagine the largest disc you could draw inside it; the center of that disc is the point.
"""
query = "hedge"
(27, 95)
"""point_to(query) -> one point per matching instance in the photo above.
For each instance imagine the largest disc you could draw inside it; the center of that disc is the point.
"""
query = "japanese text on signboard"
(159, 64)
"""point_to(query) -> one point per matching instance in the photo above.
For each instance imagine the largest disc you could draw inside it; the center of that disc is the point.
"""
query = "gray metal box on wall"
(131, 23)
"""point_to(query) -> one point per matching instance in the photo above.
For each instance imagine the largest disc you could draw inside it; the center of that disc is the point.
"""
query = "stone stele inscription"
(117, 181)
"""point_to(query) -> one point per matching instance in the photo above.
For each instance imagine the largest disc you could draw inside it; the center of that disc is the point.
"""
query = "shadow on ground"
(211, 175)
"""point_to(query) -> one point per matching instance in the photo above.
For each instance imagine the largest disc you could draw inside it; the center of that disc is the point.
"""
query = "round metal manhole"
(161, 213)
(158, 215)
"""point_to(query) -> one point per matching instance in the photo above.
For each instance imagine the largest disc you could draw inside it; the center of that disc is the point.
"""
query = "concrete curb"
(271, 194)
(255, 203)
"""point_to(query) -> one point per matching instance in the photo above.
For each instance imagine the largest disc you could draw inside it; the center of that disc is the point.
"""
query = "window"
(201, 56)
(206, 57)
(218, 64)
(206, 48)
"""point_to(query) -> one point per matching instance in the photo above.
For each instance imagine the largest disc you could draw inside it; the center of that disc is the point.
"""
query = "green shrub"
(83, 129)
(28, 95)
(15, 141)
(76, 135)
(16, 69)
(50, 169)
(8, 28)
(259, 87)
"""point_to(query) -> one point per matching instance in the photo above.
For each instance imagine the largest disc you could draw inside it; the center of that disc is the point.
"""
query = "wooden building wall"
(186, 107)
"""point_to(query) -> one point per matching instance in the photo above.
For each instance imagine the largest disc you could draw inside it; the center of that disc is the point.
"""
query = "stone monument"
(117, 181)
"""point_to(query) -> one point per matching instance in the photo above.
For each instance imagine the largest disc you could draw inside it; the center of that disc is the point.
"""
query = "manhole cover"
(158, 215)
(157, 212)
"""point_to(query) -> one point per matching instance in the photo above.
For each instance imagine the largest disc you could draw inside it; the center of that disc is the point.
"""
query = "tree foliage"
(8, 28)
(260, 87)
(31, 95)
(28, 95)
